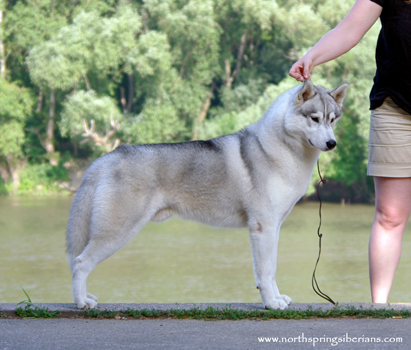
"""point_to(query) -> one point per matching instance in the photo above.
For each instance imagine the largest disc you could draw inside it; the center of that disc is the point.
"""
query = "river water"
(179, 261)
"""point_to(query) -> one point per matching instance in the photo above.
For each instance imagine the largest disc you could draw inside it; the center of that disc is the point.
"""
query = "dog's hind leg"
(264, 244)
(110, 231)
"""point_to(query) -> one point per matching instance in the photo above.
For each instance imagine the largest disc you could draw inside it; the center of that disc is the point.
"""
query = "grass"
(234, 314)
(32, 311)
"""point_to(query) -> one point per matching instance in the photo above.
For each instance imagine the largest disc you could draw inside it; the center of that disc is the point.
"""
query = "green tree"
(144, 71)
(29, 23)
(193, 34)
(87, 117)
(15, 105)
(302, 23)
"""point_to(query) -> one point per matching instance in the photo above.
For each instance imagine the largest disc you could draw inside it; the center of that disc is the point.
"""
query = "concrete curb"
(70, 310)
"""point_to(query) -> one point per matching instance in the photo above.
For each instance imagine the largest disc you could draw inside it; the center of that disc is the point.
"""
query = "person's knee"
(389, 218)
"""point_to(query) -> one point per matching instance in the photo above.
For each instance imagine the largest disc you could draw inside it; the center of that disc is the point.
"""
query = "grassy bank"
(234, 314)
(39, 179)
(210, 313)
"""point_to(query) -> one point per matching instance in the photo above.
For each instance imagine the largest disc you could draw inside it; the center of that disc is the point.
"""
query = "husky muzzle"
(331, 144)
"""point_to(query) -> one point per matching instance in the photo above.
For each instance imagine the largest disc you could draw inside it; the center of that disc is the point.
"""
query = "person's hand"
(301, 70)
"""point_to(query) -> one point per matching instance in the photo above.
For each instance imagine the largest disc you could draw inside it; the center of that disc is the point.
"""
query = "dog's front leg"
(264, 244)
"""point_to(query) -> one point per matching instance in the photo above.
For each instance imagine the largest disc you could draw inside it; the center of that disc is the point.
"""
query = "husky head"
(314, 113)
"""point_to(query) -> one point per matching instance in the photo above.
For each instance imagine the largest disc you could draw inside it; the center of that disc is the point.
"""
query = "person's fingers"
(307, 72)
(296, 71)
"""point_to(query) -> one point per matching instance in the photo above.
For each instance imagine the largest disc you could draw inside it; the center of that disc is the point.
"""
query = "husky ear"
(339, 93)
(306, 92)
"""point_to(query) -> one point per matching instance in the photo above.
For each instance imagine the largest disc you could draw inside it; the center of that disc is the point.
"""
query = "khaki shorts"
(390, 141)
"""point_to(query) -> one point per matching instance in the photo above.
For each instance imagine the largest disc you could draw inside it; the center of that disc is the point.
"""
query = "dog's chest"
(289, 184)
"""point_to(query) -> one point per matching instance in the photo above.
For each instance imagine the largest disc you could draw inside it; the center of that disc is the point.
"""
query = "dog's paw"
(277, 304)
(286, 298)
(87, 303)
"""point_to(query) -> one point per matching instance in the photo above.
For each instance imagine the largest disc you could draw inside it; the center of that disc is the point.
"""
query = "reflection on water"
(180, 261)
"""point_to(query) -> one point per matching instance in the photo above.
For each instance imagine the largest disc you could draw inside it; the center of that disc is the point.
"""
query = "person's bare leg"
(392, 210)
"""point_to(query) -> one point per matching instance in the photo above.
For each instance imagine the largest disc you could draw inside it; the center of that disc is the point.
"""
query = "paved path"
(80, 333)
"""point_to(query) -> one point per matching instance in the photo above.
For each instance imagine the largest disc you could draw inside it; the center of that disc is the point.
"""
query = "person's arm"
(339, 40)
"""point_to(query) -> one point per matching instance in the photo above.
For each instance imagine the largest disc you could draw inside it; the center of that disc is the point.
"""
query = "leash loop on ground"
(320, 235)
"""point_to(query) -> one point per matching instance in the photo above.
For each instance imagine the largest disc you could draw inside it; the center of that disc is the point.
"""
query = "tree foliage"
(15, 105)
(86, 75)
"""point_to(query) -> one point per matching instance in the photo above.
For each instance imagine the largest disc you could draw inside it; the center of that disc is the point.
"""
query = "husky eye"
(315, 119)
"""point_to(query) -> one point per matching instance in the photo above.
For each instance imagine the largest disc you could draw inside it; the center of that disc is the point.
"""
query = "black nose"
(331, 144)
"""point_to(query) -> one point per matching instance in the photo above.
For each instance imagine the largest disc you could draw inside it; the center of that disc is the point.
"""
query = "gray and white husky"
(252, 178)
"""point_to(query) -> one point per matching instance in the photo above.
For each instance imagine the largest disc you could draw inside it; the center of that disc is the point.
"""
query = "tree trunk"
(4, 172)
(241, 52)
(123, 98)
(50, 130)
(203, 113)
(230, 77)
(40, 102)
(15, 167)
(2, 49)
